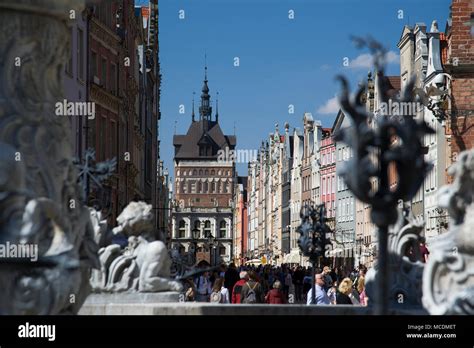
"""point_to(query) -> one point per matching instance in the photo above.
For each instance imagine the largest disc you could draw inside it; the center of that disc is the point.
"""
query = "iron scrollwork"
(380, 142)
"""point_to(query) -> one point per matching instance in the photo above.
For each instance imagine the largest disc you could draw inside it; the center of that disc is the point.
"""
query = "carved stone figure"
(39, 198)
(448, 279)
(406, 272)
(144, 265)
(102, 235)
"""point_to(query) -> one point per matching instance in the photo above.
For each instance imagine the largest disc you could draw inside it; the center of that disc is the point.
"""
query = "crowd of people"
(278, 285)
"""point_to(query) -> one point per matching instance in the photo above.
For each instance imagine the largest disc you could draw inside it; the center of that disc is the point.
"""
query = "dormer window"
(205, 150)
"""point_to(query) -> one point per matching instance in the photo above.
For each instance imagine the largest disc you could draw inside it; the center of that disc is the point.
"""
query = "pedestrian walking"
(203, 287)
(275, 295)
(332, 292)
(361, 290)
(252, 290)
(321, 295)
(327, 278)
(237, 290)
(345, 289)
(231, 277)
(219, 293)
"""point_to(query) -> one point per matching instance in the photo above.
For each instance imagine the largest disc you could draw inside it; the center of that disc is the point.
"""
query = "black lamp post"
(312, 241)
(375, 152)
(195, 238)
(211, 244)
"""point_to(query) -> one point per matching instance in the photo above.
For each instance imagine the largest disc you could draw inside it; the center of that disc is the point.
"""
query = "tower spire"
(217, 106)
(205, 110)
(205, 66)
(193, 106)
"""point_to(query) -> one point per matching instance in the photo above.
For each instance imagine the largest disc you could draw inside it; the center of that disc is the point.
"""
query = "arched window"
(207, 172)
(182, 229)
(222, 229)
(197, 224)
(218, 187)
(199, 187)
(207, 228)
(194, 172)
(213, 172)
(205, 187)
(213, 187)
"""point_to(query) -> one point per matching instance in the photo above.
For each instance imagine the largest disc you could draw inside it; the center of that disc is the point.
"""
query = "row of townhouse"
(300, 166)
(113, 63)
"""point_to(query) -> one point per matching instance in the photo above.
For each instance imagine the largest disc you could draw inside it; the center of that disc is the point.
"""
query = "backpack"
(251, 296)
(216, 297)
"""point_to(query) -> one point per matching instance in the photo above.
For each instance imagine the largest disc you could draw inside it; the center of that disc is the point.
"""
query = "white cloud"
(392, 57)
(330, 107)
(366, 60)
(362, 61)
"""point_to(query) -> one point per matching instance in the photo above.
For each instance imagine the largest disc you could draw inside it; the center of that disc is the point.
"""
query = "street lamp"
(211, 243)
(195, 238)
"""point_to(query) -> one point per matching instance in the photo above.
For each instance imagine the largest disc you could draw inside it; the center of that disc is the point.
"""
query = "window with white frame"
(222, 229)
(339, 211)
(351, 212)
(347, 209)
(182, 229)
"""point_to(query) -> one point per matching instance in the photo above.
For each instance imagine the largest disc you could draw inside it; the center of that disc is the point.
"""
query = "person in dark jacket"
(237, 290)
(275, 296)
(231, 277)
(252, 290)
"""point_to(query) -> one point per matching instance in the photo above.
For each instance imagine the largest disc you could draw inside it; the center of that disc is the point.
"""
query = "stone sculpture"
(448, 279)
(40, 203)
(102, 234)
(144, 265)
(406, 272)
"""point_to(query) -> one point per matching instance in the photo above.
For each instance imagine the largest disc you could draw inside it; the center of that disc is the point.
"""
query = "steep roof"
(187, 146)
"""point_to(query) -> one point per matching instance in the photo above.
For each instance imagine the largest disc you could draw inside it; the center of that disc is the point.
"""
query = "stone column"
(40, 202)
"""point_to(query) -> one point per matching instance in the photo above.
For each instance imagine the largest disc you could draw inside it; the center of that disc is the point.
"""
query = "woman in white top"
(219, 294)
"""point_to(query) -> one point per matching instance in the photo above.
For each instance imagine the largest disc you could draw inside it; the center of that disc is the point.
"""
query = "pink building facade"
(327, 155)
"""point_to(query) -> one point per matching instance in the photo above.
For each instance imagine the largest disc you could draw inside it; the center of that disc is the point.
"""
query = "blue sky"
(283, 61)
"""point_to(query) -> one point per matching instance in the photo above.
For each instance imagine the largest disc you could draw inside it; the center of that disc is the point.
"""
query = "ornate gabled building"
(296, 190)
(344, 237)
(204, 184)
(123, 81)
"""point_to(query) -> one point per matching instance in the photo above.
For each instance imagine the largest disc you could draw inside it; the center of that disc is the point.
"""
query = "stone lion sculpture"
(144, 265)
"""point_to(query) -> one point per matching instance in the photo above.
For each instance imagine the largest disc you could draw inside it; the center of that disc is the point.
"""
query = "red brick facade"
(460, 66)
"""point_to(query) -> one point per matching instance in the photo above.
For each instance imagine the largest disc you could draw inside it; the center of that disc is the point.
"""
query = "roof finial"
(205, 66)
(217, 106)
(193, 106)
